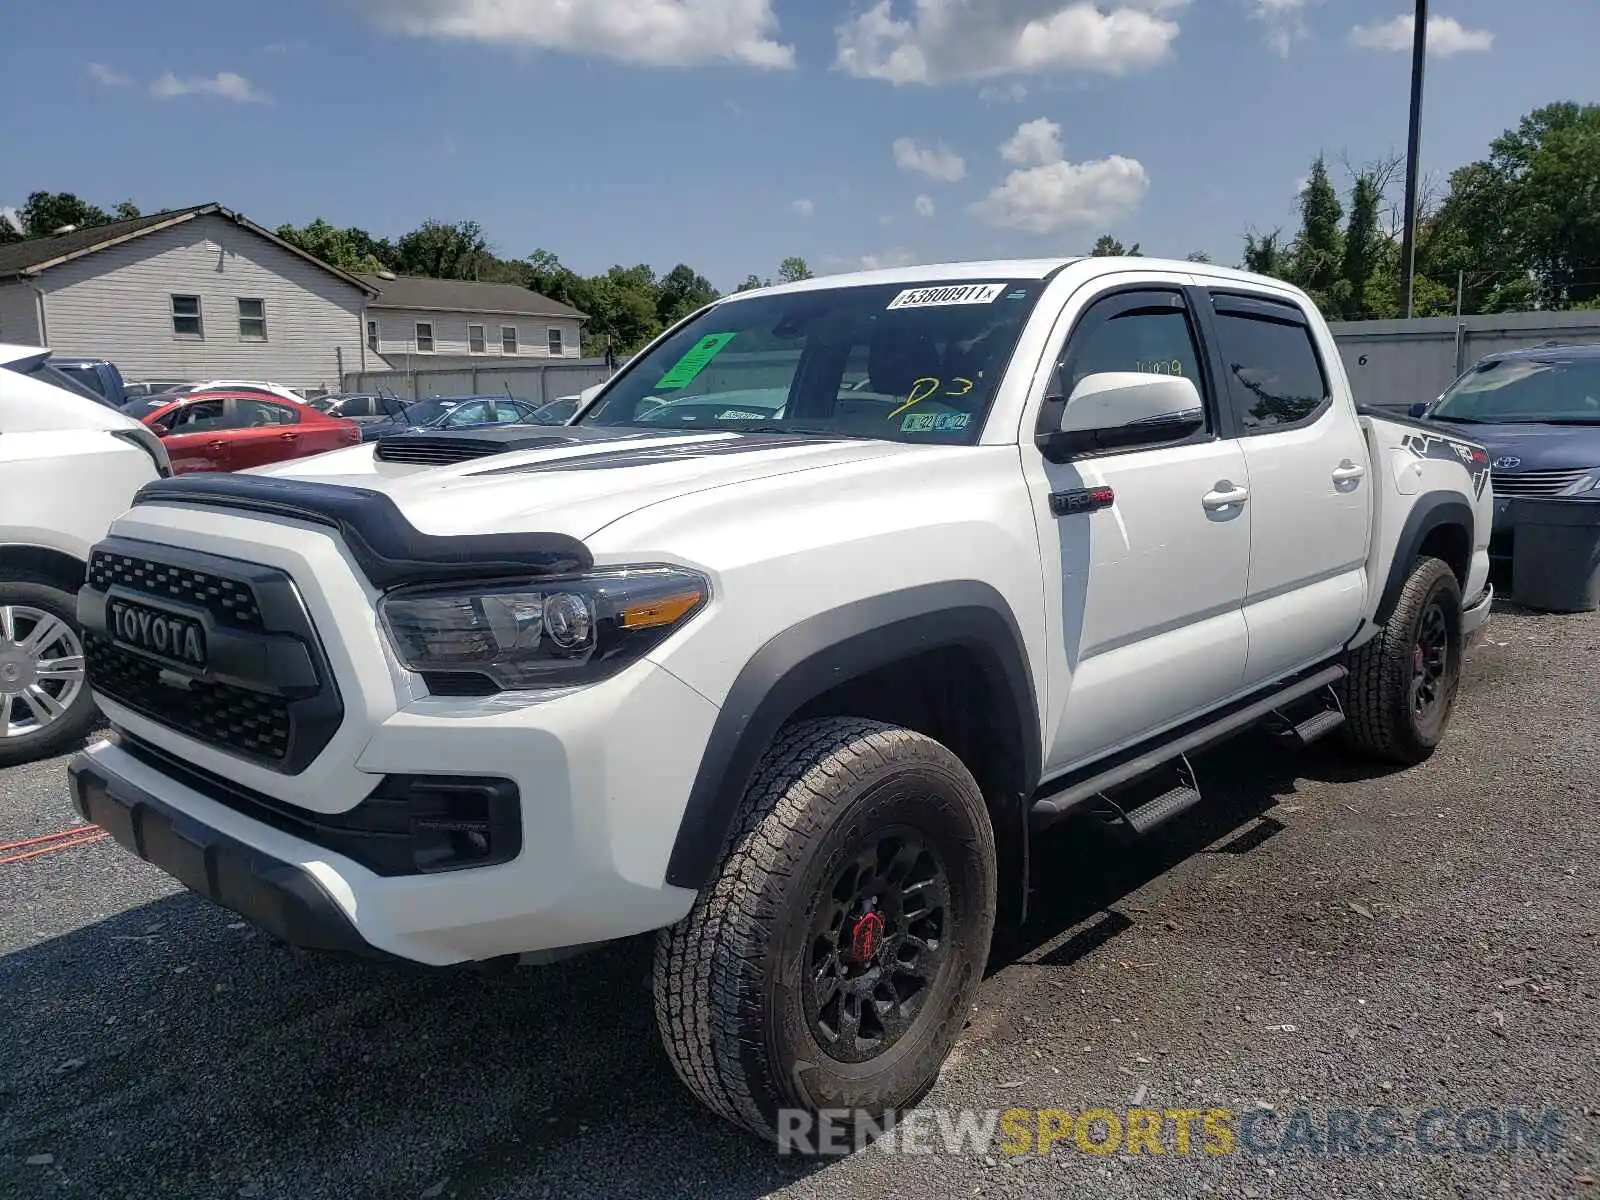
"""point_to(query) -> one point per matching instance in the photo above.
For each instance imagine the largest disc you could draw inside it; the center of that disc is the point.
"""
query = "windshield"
(909, 364)
(1522, 391)
(425, 411)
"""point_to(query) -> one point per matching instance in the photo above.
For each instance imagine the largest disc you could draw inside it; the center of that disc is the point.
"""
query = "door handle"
(1347, 471)
(290, 437)
(1225, 495)
(216, 446)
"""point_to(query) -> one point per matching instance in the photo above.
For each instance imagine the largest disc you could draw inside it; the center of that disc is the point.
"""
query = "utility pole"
(1408, 245)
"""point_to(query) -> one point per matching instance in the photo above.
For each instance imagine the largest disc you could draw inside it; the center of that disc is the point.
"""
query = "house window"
(475, 340)
(186, 317)
(372, 336)
(508, 339)
(252, 320)
(424, 337)
(555, 341)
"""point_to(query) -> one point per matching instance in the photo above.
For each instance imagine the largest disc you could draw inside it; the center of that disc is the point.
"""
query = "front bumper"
(281, 897)
(1475, 617)
(602, 776)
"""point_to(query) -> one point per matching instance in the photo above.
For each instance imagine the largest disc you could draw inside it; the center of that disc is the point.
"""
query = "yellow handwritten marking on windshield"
(927, 386)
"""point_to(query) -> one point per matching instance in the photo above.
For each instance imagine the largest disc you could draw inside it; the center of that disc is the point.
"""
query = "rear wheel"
(832, 961)
(1402, 684)
(45, 703)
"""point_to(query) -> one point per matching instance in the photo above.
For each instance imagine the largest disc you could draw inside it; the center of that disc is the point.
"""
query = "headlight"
(550, 633)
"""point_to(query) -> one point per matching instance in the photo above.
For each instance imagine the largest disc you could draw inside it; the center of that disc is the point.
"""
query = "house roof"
(37, 255)
(465, 296)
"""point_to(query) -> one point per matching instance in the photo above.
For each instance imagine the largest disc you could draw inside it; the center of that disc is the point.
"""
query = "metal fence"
(535, 382)
(1395, 364)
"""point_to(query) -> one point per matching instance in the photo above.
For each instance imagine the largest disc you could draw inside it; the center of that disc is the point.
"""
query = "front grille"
(265, 694)
(432, 451)
(230, 602)
(231, 718)
(1535, 483)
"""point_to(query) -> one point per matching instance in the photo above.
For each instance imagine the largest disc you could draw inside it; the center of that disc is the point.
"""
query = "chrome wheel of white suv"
(44, 698)
(41, 669)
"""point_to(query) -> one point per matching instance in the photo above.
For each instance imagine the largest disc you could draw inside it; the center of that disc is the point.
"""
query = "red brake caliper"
(865, 937)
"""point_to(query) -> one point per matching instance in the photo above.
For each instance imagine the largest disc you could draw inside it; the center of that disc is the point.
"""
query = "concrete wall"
(536, 382)
(1394, 364)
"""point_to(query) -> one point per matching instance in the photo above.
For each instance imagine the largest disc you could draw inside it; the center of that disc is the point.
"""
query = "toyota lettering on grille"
(178, 639)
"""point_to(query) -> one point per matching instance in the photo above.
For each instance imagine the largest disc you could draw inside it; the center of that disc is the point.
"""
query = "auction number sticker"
(954, 293)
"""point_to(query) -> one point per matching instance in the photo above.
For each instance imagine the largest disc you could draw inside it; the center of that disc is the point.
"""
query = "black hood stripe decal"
(637, 456)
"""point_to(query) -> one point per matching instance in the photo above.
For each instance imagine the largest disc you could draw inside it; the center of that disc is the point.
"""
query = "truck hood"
(570, 479)
(1538, 447)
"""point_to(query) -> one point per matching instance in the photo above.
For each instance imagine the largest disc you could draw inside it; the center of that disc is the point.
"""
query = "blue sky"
(731, 133)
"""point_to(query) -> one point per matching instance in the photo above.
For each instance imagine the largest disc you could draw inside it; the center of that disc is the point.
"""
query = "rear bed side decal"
(1470, 455)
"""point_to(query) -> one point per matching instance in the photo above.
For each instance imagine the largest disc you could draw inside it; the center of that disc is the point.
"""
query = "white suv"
(784, 645)
(68, 466)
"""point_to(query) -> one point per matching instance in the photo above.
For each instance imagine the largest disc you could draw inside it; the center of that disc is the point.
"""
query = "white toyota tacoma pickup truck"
(784, 645)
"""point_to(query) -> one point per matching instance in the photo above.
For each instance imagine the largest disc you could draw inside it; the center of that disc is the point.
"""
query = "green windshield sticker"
(692, 363)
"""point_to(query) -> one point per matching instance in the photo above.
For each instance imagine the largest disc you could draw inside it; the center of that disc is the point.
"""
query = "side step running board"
(1183, 795)
(1311, 728)
(1051, 805)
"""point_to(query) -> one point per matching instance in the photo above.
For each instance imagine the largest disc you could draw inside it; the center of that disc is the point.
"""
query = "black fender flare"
(831, 648)
(1430, 511)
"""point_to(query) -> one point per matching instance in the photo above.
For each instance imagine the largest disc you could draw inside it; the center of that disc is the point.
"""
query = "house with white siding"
(425, 324)
(198, 293)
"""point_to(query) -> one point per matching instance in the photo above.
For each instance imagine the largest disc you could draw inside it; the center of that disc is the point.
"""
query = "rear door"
(267, 432)
(1149, 585)
(1310, 495)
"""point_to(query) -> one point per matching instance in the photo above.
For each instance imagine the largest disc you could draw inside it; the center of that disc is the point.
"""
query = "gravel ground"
(1316, 935)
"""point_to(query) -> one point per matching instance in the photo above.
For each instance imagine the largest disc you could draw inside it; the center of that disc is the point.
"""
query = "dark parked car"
(459, 412)
(361, 407)
(94, 376)
(1537, 412)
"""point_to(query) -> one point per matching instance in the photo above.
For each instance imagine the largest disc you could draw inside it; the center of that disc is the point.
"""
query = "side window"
(360, 406)
(1275, 379)
(1147, 332)
(255, 414)
(202, 416)
(475, 413)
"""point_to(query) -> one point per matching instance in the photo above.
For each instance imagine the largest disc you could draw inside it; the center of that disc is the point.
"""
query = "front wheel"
(832, 961)
(1402, 684)
(45, 703)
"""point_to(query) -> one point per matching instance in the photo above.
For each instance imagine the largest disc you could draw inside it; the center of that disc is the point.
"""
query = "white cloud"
(803, 207)
(1285, 22)
(225, 85)
(1446, 36)
(936, 162)
(1003, 93)
(10, 216)
(662, 33)
(1034, 144)
(1056, 193)
(924, 206)
(942, 41)
(106, 77)
(899, 257)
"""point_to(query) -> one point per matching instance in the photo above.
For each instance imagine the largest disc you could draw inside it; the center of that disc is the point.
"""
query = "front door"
(1310, 496)
(265, 432)
(1147, 612)
(197, 436)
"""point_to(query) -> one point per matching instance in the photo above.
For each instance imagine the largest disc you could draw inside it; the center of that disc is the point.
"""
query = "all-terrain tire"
(736, 992)
(1382, 716)
(63, 730)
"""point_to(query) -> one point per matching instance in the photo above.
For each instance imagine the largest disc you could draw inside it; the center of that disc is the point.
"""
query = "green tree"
(1106, 246)
(752, 282)
(1362, 242)
(348, 249)
(1318, 253)
(1265, 254)
(442, 251)
(793, 270)
(127, 210)
(682, 291)
(1197, 256)
(46, 212)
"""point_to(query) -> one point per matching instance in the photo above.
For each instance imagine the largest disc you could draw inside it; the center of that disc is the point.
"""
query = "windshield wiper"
(763, 427)
(1463, 420)
(1559, 421)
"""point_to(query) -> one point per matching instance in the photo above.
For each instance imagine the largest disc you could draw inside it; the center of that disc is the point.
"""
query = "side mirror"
(1116, 409)
(160, 428)
(1418, 410)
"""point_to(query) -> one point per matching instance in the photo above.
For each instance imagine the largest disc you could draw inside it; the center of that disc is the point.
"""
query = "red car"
(232, 430)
